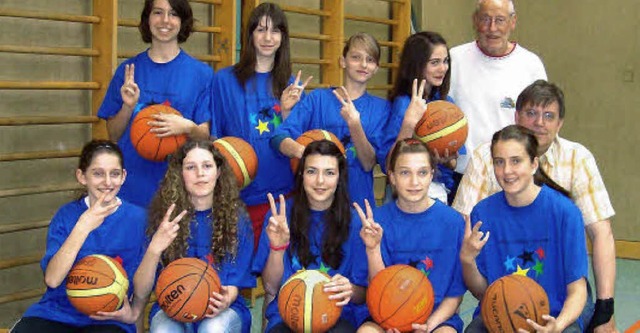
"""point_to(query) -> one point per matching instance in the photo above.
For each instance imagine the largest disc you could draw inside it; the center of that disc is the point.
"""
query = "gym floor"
(627, 299)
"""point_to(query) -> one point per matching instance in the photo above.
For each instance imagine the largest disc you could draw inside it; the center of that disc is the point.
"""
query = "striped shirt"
(568, 163)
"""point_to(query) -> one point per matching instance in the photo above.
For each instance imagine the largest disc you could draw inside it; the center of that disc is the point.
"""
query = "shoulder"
(226, 72)
(447, 214)
(482, 154)
(196, 64)
(574, 148)
(462, 48)
(522, 52)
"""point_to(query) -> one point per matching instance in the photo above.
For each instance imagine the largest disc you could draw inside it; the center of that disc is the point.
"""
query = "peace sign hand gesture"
(473, 240)
(417, 106)
(371, 232)
(278, 229)
(129, 91)
(291, 95)
(348, 112)
(167, 231)
(93, 217)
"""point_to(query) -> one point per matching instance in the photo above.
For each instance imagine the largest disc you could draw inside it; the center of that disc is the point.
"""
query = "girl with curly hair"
(315, 229)
(200, 185)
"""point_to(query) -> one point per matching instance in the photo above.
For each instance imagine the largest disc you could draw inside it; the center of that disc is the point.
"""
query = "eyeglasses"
(486, 20)
(532, 114)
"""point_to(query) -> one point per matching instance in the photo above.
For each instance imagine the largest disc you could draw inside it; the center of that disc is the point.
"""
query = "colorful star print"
(276, 121)
(323, 268)
(428, 263)
(262, 126)
(521, 271)
(540, 253)
(538, 268)
(526, 256)
(509, 264)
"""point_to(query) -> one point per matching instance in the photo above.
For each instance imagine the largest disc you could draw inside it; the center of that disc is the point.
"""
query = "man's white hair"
(512, 8)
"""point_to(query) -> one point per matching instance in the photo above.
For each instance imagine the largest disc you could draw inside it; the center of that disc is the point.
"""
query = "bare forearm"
(604, 258)
(62, 261)
(573, 305)
(365, 152)
(199, 132)
(290, 148)
(145, 275)
(406, 130)
(475, 282)
(117, 124)
(447, 308)
(272, 272)
(233, 293)
(375, 262)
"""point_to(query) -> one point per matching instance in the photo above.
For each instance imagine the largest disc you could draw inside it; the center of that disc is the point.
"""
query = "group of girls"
(318, 217)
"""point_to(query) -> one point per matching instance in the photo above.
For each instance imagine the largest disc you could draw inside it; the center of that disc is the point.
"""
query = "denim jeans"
(227, 321)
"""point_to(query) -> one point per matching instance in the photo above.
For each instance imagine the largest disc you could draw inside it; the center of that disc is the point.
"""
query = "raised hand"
(448, 159)
(417, 106)
(474, 240)
(341, 288)
(168, 124)
(278, 229)
(550, 327)
(129, 91)
(219, 302)
(93, 217)
(348, 111)
(124, 315)
(371, 232)
(291, 95)
(167, 231)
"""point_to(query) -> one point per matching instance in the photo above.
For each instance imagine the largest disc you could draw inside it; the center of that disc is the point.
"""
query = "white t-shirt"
(486, 88)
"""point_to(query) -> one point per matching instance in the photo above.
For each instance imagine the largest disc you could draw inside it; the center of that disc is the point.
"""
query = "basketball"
(443, 126)
(97, 283)
(184, 287)
(510, 300)
(304, 306)
(399, 296)
(315, 135)
(241, 158)
(147, 144)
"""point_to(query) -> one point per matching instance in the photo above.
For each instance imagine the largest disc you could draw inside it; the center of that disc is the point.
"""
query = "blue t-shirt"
(544, 241)
(353, 251)
(253, 114)
(184, 84)
(398, 108)
(321, 110)
(232, 271)
(429, 241)
(122, 234)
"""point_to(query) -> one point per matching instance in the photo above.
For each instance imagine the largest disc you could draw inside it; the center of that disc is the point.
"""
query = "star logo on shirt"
(540, 253)
(323, 268)
(538, 268)
(277, 108)
(509, 263)
(526, 256)
(521, 271)
(428, 263)
(276, 121)
(263, 126)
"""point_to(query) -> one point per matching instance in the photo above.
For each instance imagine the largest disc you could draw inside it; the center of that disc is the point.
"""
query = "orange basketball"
(241, 158)
(304, 306)
(147, 144)
(399, 296)
(97, 283)
(510, 300)
(443, 126)
(184, 287)
(315, 135)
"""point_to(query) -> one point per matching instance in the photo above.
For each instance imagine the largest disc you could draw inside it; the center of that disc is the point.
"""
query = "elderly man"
(490, 72)
(540, 108)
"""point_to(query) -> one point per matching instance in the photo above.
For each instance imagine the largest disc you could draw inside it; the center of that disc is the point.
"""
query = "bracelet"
(602, 314)
(279, 248)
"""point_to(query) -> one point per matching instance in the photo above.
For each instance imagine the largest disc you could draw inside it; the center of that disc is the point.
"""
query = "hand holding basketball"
(167, 231)
(93, 217)
(219, 302)
(129, 91)
(448, 159)
(291, 94)
(124, 315)
(473, 240)
(168, 124)
(278, 230)
(371, 232)
(550, 327)
(348, 111)
(341, 288)
(417, 106)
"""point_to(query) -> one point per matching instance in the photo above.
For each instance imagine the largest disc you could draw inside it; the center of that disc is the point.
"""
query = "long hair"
(337, 216)
(526, 137)
(90, 151)
(181, 7)
(245, 69)
(225, 211)
(407, 146)
(416, 52)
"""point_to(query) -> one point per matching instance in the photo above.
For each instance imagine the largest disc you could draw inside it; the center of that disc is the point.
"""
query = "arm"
(604, 271)
(573, 305)
(130, 93)
(291, 148)
(371, 234)
(291, 95)
(366, 154)
(117, 124)
(278, 234)
(472, 243)
(414, 111)
(448, 307)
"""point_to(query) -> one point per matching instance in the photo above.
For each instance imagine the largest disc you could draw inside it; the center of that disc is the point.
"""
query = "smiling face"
(104, 175)
(544, 121)
(164, 22)
(514, 169)
(411, 176)
(494, 22)
(320, 180)
(437, 66)
(359, 65)
(266, 38)
(200, 173)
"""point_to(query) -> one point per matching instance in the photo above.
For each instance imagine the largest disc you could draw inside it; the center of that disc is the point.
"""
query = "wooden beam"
(104, 37)
(36, 155)
(48, 16)
(47, 120)
(64, 51)
(332, 25)
(23, 226)
(224, 43)
(15, 192)
(49, 85)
